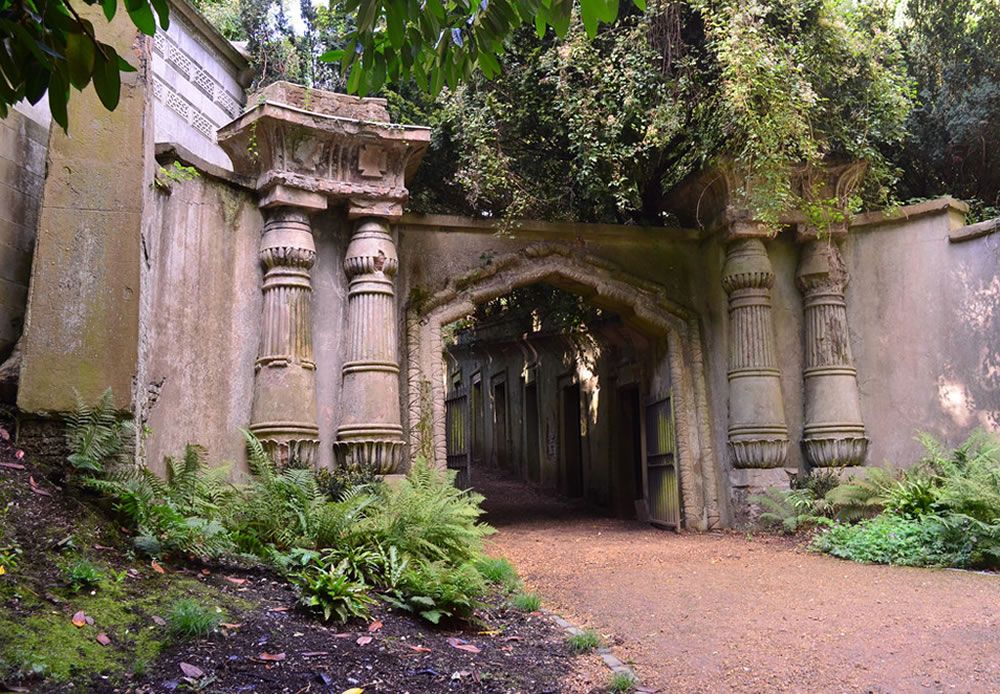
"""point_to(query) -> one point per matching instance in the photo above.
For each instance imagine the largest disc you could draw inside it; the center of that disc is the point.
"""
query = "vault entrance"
(575, 427)
(563, 411)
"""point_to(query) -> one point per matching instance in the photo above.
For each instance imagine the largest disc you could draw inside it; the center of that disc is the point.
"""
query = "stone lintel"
(746, 229)
(364, 207)
(804, 233)
(285, 196)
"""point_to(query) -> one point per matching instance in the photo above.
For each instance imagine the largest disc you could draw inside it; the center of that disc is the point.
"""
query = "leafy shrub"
(178, 515)
(82, 574)
(428, 518)
(435, 590)
(335, 483)
(529, 602)
(944, 512)
(499, 572)
(584, 642)
(188, 619)
(788, 509)
(329, 590)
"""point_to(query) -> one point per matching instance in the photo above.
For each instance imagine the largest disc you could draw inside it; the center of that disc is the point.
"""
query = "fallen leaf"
(278, 609)
(79, 619)
(491, 632)
(192, 671)
(4, 434)
(345, 635)
(12, 466)
(314, 654)
(157, 568)
(103, 639)
(12, 688)
(355, 690)
(237, 581)
(272, 657)
(364, 640)
(374, 626)
(419, 649)
(103, 548)
(18, 454)
(159, 621)
(463, 645)
(227, 625)
(513, 638)
(90, 620)
(36, 489)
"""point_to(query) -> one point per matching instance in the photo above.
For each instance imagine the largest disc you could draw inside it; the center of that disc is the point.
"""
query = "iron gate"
(457, 434)
(662, 491)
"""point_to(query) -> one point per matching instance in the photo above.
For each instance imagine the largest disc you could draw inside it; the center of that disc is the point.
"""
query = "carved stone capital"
(322, 145)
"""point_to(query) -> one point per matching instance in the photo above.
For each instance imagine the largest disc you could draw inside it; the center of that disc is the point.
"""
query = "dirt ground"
(729, 612)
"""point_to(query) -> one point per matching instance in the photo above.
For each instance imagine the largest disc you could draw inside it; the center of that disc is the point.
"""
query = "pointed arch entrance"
(641, 304)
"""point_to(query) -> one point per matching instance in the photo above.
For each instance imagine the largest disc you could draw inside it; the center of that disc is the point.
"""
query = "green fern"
(97, 435)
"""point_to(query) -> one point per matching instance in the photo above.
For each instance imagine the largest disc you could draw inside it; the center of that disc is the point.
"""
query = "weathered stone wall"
(203, 319)
(924, 313)
(24, 138)
(81, 327)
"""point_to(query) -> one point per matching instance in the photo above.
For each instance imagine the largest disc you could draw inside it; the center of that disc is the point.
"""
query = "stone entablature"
(325, 155)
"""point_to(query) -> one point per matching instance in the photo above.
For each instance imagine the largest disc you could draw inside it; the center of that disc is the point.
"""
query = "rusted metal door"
(457, 434)
(663, 498)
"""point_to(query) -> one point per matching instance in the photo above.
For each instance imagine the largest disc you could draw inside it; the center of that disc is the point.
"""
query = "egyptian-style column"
(758, 435)
(834, 433)
(303, 151)
(370, 435)
(284, 400)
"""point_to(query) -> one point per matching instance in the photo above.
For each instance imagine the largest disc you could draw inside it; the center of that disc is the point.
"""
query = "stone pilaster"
(371, 435)
(758, 435)
(284, 401)
(834, 433)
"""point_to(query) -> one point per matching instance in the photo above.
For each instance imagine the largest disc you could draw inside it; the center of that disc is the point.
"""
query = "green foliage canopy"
(600, 130)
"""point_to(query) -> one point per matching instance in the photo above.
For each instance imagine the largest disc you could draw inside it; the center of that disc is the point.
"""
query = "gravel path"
(726, 612)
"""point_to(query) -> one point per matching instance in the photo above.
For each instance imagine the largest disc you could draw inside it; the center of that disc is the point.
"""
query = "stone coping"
(167, 152)
(189, 12)
(975, 231)
(943, 205)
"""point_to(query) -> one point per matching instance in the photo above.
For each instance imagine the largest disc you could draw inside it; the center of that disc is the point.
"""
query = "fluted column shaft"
(834, 433)
(758, 435)
(371, 435)
(284, 402)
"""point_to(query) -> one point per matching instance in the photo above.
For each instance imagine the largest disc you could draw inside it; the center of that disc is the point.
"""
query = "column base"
(759, 453)
(380, 456)
(836, 451)
(296, 450)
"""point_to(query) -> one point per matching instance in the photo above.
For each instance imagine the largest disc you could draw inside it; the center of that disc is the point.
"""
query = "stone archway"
(639, 302)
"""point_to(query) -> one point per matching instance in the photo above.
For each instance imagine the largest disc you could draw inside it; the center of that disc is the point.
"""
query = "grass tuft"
(529, 602)
(621, 683)
(584, 642)
(499, 572)
(187, 619)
